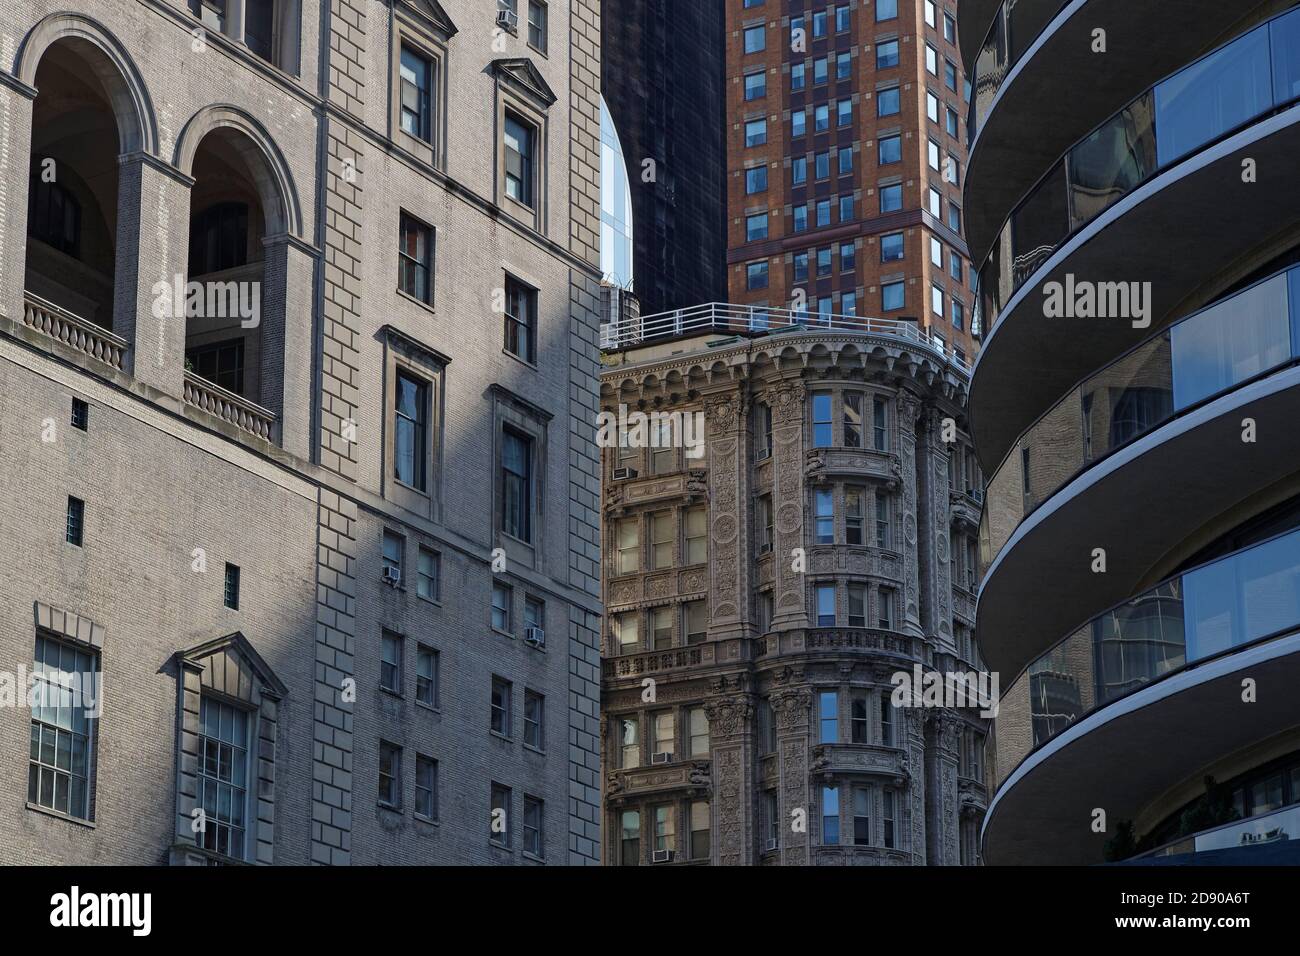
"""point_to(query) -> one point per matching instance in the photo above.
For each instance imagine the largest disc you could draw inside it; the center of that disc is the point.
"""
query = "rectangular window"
(891, 247)
(891, 296)
(499, 829)
(846, 208)
(416, 77)
(950, 75)
(824, 516)
(410, 430)
(695, 623)
(231, 589)
(800, 220)
(849, 303)
(534, 614)
(934, 201)
(822, 165)
(858, 719)
(80, 415)
(697, 535)
(886, 719)
(390, 775)
(825, 605)
(819, 24)
(665, 835)
(764, 524)
(501, 607)
(853, 419)
(958, 315)
(755, 85)
(936, 301)
(663, 727)
(661, 628)
(886, 10)
(699, 830)
(845, 159)
(521, 144)
(534, 725)
(663, 451)
(533, 813)
(823, 212)
(848, 257)
(755, 180)
(63, 695)
(755, 132)
(889, 150)
(954, 217)
(500, 722)
(426, 676)
(756, 227)
(426, 787)
(932, 154)
(819, 71)
(949, 29)
(952, 122)
(843, 113)
(630, 838)
(886, 599)
(841, 19)
(755, 39)
(823, 426)
(517, 485)
(699, 731)
(661, 540)
(428, 574)
(931, 107)
(891, 198)
(857, 605)
(880, 423)
(76, 521)
(629, 734)
(624, 628)
(222, 782)
(823, 262)
(853, 517)
(955, 266)
(843, 66)
(537, 27)
(831, 795)
(887, 102)
(888, 821)
(797, 79)
(415, 259)
(756, 275)
(521, 320)
(886, 54)
(390, 662)
(883, 539)
(931, 60)
(861, 816)
(393, 546)
(929, 13)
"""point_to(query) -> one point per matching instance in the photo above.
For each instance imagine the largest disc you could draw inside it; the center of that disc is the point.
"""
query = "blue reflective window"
(1285, 36)
(1243, 598)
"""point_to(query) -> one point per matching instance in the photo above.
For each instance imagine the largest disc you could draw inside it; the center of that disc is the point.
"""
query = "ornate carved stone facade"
(763, 597)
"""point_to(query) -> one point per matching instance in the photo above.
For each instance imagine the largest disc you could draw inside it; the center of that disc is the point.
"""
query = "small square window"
(889, 150)
(891, 198)
(891, 247)
(891, 296)
(232, 586)
(756, 275)
(755, 85)
(76, 520)
(755, 39)
(755, 180)
(887, 102)
(755, 132)
(886, 54)
(80, 414)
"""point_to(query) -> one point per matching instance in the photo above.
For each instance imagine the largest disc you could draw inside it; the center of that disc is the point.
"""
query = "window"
(661, 628)
(819, 24)
(764, 413)
(755, 39)
(936, 300)
(80, 415)
(537, 30)
(831, 795)
(756, 180)
(886, 719)
(500, 722)
(825, 605)
(426, 787)
(949, 29)
(954, 217)
(499, 831)
(695, 622)
(259, 27)
(886, 10)
(931, 60)
(796, 77)
(958, 315)
(883, 539)
(849, 303)
(533, 813)
(521, 143)
(54, 216)
(861, 816)
(665, 835)
(221, 363)
(628, 546)
(880, 422)
(231, 586)
(891, 198)
(931, 107)
(823, 212)
(75, 521)
(699, 814)
(663, 452)
(848, 255)
(697, 535)
(624, 629)
(955, 266)
(858, 719)
(426, 676)
(821, 117)
(630, 838)
(824, 512)
(661, 540)
(823, 262)
(841, 19)
(218, 237)
(756, 275)
(843, 66)
(427, 574)
(932, 154)
(664, 730)
(846, 208)
(698, 728)
(929, 13)
(888, 820)
(390, 662)
(800, 263)
(756, 227)
(886, 54)
(501, 607)
(755, 85)
(393, 545)
(853, 522)
(952, 122)
(891, 296)
(800, 214)
(845, 158)
(843, 112)
(764, 524)
(534, 613)
(64, 685)
(410, 431)
(891, 247)
(950, 75)
(415, 74)
(222, 783)
(755, 132)
(521, 320)
(771, 818)
(822, 165)
(889, 150)
(390, 775)
(630, 741)
(887, 101)
(819, 71)
(415, 260)
(517, 485)
(534, 725)
(886, 609)
(821, 415)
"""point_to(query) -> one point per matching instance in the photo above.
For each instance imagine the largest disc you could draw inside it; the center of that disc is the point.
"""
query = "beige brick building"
(328, 539)
(762, 596)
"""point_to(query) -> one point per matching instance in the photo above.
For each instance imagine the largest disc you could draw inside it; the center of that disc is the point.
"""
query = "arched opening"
(73, 189)
(225, 319)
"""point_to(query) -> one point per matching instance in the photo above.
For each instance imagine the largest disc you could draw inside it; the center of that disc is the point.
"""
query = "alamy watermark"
(235, 299)
(637, 429)
(950, 689)
(1082, 299)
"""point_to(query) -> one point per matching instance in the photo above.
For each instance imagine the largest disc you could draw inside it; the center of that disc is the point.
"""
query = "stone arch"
(108, 59)
(265, 162)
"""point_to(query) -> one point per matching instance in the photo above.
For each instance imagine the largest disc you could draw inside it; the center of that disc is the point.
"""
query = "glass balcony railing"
(1228, 603)
(1251, 76)
(1014, 29)
(1278, 827)
(1206, 354)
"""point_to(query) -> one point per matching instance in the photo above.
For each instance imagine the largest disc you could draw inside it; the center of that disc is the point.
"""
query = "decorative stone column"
(791, 605)
(792, 711)
(909, 408)
(934, 540)
(942, 813)
(730, 566)
(914, 742)
(16, 100)
(730, 712)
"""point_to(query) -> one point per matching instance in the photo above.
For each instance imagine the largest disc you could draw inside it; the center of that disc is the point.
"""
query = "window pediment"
(523, 77)
(230, 666)
(432, 15)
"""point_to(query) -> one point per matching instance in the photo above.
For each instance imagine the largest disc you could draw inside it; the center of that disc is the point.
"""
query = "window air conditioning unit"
(535, 636)
(392, 576)
(662, 757)
(508, 20)
(662, 856)
(623, 474)
(771, 843)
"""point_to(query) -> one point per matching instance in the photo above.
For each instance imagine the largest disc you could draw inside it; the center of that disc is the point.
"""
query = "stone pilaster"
(792, 710)
(915, 743)
(909, 408)
(730, 714)
(943, 732)
(934, 540)
(731, 564)
(788, 404)
(15, 155)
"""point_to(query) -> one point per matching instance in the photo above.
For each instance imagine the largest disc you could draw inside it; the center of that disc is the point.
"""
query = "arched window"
(54, 215)
(219, 238)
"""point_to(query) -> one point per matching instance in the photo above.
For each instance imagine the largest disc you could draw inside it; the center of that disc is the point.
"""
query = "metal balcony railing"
(726, 317)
